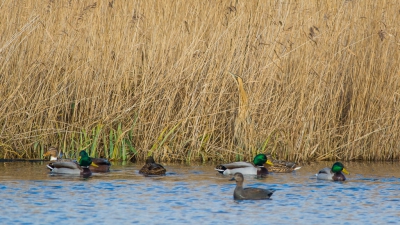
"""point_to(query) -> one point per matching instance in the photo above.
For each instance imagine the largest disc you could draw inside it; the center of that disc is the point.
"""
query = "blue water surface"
(197, 194)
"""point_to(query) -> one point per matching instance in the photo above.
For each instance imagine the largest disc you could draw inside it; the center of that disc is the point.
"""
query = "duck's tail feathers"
(271, 192)
(219, 170)
(51, 168)
(297, 168)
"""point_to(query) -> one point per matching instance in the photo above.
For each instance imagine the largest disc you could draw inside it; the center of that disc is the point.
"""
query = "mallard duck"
(255, 168)
(103, 164)
(333, 174)
(80, 167)
(241, 193)
(54, 154)
(281, 166)
(152, 168)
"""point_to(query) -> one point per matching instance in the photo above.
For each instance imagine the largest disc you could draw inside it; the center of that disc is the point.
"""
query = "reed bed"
(201, 80)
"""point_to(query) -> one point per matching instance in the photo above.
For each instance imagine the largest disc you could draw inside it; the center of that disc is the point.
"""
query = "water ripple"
(186, 195)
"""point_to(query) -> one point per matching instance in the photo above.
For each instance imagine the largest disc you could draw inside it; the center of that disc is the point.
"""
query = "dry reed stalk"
(324, 79)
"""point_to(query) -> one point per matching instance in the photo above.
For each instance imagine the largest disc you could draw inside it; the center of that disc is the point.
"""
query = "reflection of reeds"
(126, 79)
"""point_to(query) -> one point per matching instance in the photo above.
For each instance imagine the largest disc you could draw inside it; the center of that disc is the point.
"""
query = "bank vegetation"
(201, 80)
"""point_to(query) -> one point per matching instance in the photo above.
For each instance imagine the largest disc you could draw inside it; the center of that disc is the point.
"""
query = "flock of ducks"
(260, 167)
(84, 166)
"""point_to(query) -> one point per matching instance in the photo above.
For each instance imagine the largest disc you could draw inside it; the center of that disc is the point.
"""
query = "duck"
(103, 165)
(80, 167)
(255, 168)
(152, 168)
(281, 166)
(241, 193)
(334, 173)
(54, 154)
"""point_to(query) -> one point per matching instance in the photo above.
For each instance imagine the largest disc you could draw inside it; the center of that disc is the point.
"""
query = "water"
(196, 193)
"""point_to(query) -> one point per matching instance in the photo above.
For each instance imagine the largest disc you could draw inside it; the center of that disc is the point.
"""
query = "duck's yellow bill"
(94, 164)
(345, 171)
(269, 163)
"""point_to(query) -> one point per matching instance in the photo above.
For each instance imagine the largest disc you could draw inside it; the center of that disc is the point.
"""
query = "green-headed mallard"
(241, 193)
(80, 167)
(255, 168)
(334, 173)
(152, 168)
(281, 166)
(103, 164)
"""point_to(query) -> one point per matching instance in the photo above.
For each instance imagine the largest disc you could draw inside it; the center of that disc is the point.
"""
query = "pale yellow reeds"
(152, 77)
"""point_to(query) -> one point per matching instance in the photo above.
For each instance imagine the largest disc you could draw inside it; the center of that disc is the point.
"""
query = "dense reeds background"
(319, 80)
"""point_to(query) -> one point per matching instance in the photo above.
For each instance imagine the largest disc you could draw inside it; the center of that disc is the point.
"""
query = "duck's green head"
(261, 159)
(84, 159)
(338, 167)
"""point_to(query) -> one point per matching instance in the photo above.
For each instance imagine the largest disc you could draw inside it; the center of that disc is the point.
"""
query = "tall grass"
(319, 80)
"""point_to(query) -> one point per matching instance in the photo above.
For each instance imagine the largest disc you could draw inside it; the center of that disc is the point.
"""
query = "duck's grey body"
(255, 168)
(235, 167)
(241, 193)
(70, 167)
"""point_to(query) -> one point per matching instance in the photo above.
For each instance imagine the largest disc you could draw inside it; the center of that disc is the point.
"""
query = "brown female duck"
(54, 154)
(152, 168)
(281, 166)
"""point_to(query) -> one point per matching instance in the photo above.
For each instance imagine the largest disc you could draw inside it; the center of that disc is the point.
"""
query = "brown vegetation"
(318, 80)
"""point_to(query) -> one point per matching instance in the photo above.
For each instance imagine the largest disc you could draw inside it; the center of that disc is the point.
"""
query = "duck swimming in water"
(334, 173)
(255, 168)
(80, 167)
(103, 165)
(281, 166)
(152, 168)
(241, 193)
